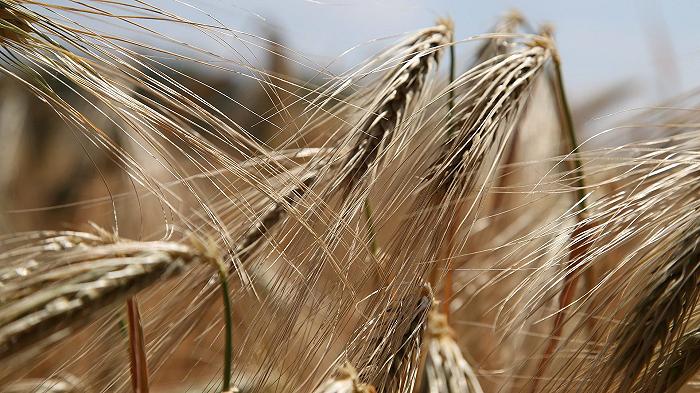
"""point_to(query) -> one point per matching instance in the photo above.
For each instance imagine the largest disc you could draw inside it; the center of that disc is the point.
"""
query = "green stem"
(568, 124)
(228, 345)
(451, 93)
(451, 102)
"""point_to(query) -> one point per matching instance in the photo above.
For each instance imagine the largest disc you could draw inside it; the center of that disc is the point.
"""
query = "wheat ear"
(390, 343)
(400, 89)
(677, 368)
(446, 370)
(74, 285)
(661, 313)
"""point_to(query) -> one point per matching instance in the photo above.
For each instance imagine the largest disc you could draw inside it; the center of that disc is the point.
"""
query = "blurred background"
(652, 44)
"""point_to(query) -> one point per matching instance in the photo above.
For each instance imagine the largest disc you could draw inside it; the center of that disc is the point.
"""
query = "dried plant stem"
(447, 292)
(576, 251)
(137, 348)
(568, 125)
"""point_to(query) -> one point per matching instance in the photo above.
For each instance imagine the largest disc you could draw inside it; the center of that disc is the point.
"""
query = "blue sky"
(601, 42)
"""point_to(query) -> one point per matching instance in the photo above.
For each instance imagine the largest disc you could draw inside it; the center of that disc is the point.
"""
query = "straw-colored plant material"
(345, 380)
(393, 103)
(390, 344)
(660, 314)
(446, 370)
(375, 186)
(57, 283)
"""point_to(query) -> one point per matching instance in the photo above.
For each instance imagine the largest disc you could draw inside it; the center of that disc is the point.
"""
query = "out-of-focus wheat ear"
(13, 26)
(70, 287)
(445, 369)
(677, 368)
(659, 317)
(389, 109)
(275, 212)
(390, 343)
(507, 25)
(345, 380)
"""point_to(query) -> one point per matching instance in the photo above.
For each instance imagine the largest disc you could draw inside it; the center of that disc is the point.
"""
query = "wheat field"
(431, 220)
